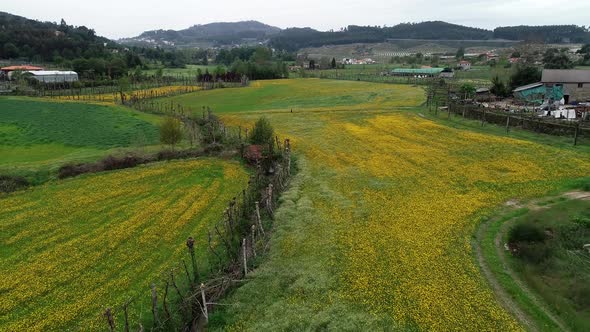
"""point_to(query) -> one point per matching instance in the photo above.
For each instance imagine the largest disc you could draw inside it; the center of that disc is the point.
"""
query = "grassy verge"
(550, 308)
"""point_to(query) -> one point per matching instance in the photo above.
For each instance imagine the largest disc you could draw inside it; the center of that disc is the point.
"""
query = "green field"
(188, 71)
(71, 248)
(36, 134)
(375, 232)
(302, 95)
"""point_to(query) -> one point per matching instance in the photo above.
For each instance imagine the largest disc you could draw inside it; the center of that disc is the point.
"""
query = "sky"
(128, 18)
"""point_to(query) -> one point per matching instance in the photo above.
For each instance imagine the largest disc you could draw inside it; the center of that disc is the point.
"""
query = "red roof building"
(23, 68)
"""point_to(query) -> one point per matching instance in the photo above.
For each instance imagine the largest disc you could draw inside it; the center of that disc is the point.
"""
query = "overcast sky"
(128, 18)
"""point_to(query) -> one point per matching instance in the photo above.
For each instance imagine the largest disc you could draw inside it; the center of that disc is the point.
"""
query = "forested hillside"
(545, 33)
(21, 37)
(221, 33)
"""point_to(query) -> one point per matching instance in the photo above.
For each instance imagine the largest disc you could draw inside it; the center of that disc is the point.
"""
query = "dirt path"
(499, 291)
(504, 298)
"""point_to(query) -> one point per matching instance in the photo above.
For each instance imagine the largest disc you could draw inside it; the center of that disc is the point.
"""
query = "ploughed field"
(376, 230)
(71, 248)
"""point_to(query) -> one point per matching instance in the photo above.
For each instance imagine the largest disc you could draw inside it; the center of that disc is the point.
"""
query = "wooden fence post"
(258, 218)
(507, 123)
(576, 134)
(155, 304)
(244, 256)
(111, 321)
(253, 240)
(205, 312)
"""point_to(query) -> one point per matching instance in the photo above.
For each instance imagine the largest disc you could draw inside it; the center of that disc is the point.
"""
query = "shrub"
(534, 252)
(170, 131)
(10, 183)
(527, 233)
(263, 133)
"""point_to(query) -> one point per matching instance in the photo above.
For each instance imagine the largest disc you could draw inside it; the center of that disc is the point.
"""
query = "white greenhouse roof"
(51, 72)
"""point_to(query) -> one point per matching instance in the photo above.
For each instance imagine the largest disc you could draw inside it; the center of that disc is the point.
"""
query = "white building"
(54, 76)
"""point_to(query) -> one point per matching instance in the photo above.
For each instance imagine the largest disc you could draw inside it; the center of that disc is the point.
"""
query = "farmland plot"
(376, 231)
(73, 247)
(36, 133)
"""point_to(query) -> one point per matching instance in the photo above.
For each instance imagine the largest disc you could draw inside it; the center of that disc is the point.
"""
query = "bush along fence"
(188, 294)
(136, 92)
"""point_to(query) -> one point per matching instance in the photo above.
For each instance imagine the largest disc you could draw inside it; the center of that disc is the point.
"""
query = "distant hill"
(21, 37)
(297, 38)
(545, 33)
(221, 33)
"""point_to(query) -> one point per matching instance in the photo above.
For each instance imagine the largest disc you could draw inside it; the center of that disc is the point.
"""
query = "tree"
(524, 74)
(556, 59)
(123, 83)
(498, 87)
(263, 133)
(333, 64)
(170, 131)
(460, 53)
(10, 50)
(311, 64)
(467, 90)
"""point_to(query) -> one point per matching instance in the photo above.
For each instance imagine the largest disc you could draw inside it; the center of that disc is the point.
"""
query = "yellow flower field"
(376, 232)
(74, 247)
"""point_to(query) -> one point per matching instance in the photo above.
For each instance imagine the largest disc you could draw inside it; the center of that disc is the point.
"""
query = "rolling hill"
(213, 33)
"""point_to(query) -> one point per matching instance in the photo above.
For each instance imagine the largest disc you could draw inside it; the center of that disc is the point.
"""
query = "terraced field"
(376, 231)
(73, 247)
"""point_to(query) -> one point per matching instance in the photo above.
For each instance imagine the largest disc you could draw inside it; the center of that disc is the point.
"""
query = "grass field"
(557, 269)
(71, 248)
(37, 134)
(375, 232)
(189, 71)
(303, 95)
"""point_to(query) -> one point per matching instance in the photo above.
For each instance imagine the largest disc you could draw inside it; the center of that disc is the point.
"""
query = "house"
(465, 65)
(53, 76)
(575, 83)
(421, 72)
(20, 68)
(513, 60)
(9, 71)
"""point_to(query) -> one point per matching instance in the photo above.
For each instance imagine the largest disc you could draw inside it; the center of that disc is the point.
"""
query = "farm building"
(54, 76)
(575, 83)
(8, 69)
(465, 65)
(425, 72)
(7, 72)
(537, 93)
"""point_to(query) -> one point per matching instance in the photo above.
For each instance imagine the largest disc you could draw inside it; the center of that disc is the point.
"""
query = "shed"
(575, 83)
(54, 76)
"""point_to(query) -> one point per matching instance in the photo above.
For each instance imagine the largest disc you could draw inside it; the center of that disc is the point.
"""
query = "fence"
(578, 130)
(234, 242)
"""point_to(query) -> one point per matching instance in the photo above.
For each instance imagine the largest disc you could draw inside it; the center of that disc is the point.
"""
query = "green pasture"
(36, 134)
(188, 71)
(301, 94)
